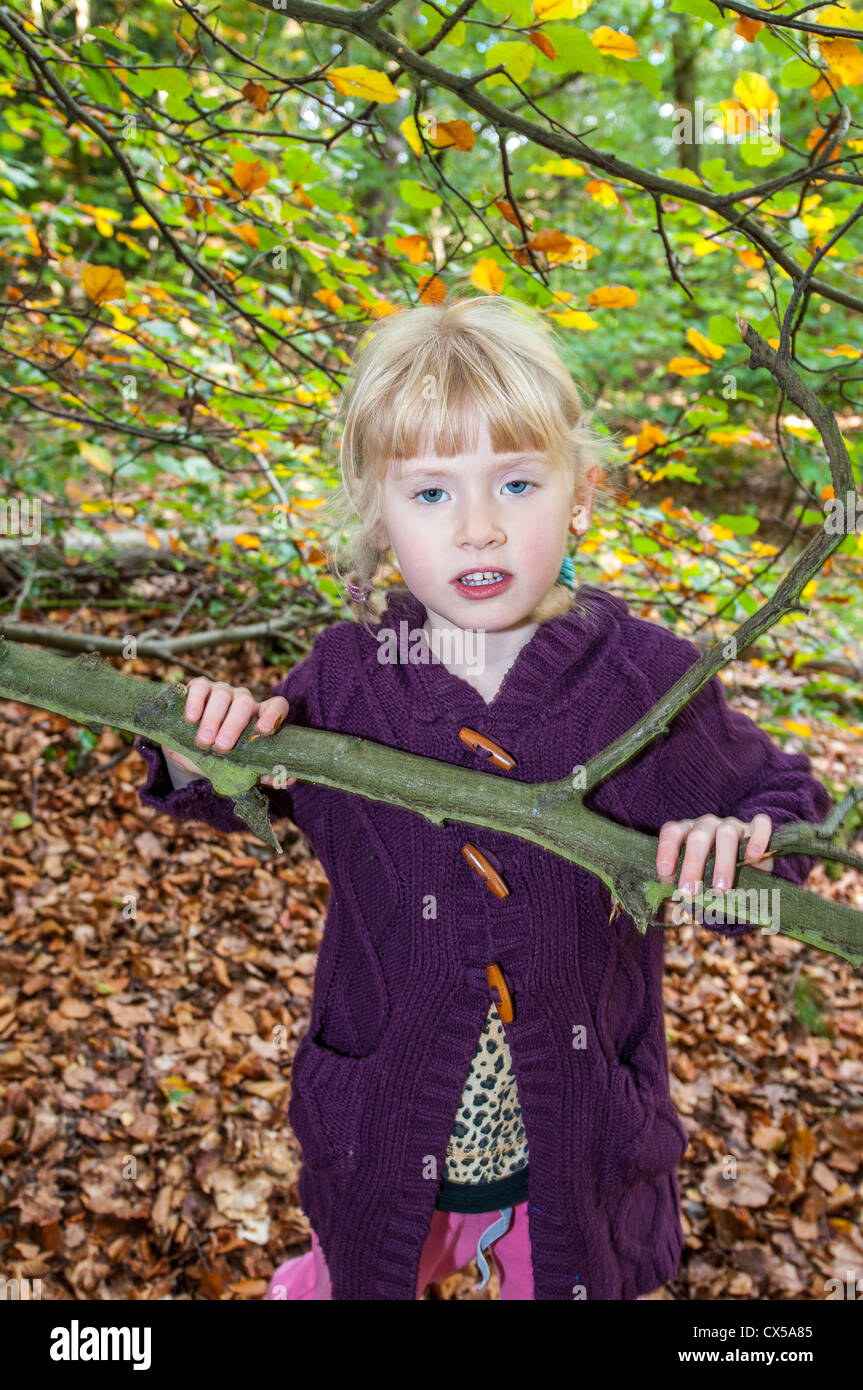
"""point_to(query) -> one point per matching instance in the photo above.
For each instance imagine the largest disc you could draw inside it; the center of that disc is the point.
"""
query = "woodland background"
(201, 210)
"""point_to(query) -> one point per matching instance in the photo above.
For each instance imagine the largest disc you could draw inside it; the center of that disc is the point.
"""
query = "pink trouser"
(454, 1239)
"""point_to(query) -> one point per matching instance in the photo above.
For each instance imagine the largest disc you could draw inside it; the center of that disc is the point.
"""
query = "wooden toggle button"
(497, 982)
(498, 755)
(485, 870)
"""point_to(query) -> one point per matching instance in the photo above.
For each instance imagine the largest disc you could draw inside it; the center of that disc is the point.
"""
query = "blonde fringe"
(486, 353)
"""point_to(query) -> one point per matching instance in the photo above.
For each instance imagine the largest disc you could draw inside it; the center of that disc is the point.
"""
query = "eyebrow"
(501, 463)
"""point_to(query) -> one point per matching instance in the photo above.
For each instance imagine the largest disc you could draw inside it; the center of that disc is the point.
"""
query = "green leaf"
(519, 59)
(797, 73)
(416, 195)
(759, 153)
(21, 820)
(700, 8)
(644, 545)
(747, 603)
(105, 36)
(740, 525)
(723, 331)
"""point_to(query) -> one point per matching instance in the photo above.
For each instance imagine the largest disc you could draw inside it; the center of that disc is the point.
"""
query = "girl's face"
(500, 520)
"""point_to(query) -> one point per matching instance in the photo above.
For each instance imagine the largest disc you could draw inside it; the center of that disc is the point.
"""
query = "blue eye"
(430, 489)
(519, 483)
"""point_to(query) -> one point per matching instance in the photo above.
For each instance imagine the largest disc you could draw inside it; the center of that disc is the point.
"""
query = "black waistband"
(469, 1197)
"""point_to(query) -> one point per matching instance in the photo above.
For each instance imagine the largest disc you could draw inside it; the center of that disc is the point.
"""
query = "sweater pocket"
(327, 1095)
(642, 1134)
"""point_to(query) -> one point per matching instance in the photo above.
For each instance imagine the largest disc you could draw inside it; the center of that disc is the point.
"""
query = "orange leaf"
(748, 28)
(247, 232)
(687, 366)
(416, 248)
(544, 44)
(508, 211)
(257, 95)
(612, 297)
(432, 290)
(250, 175)
(197, 207)
(459, 135)
(103, 282)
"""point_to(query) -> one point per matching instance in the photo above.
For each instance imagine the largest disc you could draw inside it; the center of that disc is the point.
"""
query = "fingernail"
(720, 882)
(687, 886)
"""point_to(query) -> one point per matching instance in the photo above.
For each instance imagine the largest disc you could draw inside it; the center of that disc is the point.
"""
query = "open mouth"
(482, 583)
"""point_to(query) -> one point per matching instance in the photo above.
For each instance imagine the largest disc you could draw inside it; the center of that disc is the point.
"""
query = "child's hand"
(224, 711)
(700, 836)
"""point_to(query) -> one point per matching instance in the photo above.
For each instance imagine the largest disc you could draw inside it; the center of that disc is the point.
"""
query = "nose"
(478, 525)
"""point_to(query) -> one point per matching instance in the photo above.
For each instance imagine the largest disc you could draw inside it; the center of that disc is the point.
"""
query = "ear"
(582, 511)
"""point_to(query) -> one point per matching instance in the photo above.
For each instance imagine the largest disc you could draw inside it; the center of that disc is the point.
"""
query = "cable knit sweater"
(401, 992)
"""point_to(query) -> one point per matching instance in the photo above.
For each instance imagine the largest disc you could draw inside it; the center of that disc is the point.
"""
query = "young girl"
(486, 1056)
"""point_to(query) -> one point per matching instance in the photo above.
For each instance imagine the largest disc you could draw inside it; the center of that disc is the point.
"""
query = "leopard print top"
(488, 1140)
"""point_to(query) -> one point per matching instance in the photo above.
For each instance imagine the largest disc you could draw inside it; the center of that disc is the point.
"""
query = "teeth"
(481, 577)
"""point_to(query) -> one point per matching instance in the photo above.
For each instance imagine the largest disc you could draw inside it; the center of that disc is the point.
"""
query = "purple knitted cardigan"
(401, 991)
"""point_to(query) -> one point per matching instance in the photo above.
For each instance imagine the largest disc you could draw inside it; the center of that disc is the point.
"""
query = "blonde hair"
(415, 385)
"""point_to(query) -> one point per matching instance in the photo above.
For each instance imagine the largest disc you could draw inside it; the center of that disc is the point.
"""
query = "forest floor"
(145, 963)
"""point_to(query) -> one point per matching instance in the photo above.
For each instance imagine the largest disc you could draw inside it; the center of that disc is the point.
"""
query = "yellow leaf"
(687, 366)
(738, 436)
(546, 10)
(247, 542)
(103, 282)
(614, 44)
(409, 130)
(142, 220)
(794, 728)
(362, 82)
(704, 345)
(99, 457)
(250, 175)
(843, 350)
(601, 192)
(840, 17)
(755, 92)
(131, 242)
(120, 319)
(844, 58)
(487, 275)
(575, 318)
(612, 297)
(808, 590)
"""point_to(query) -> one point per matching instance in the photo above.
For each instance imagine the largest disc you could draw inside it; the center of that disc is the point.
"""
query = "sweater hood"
(543, 670)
